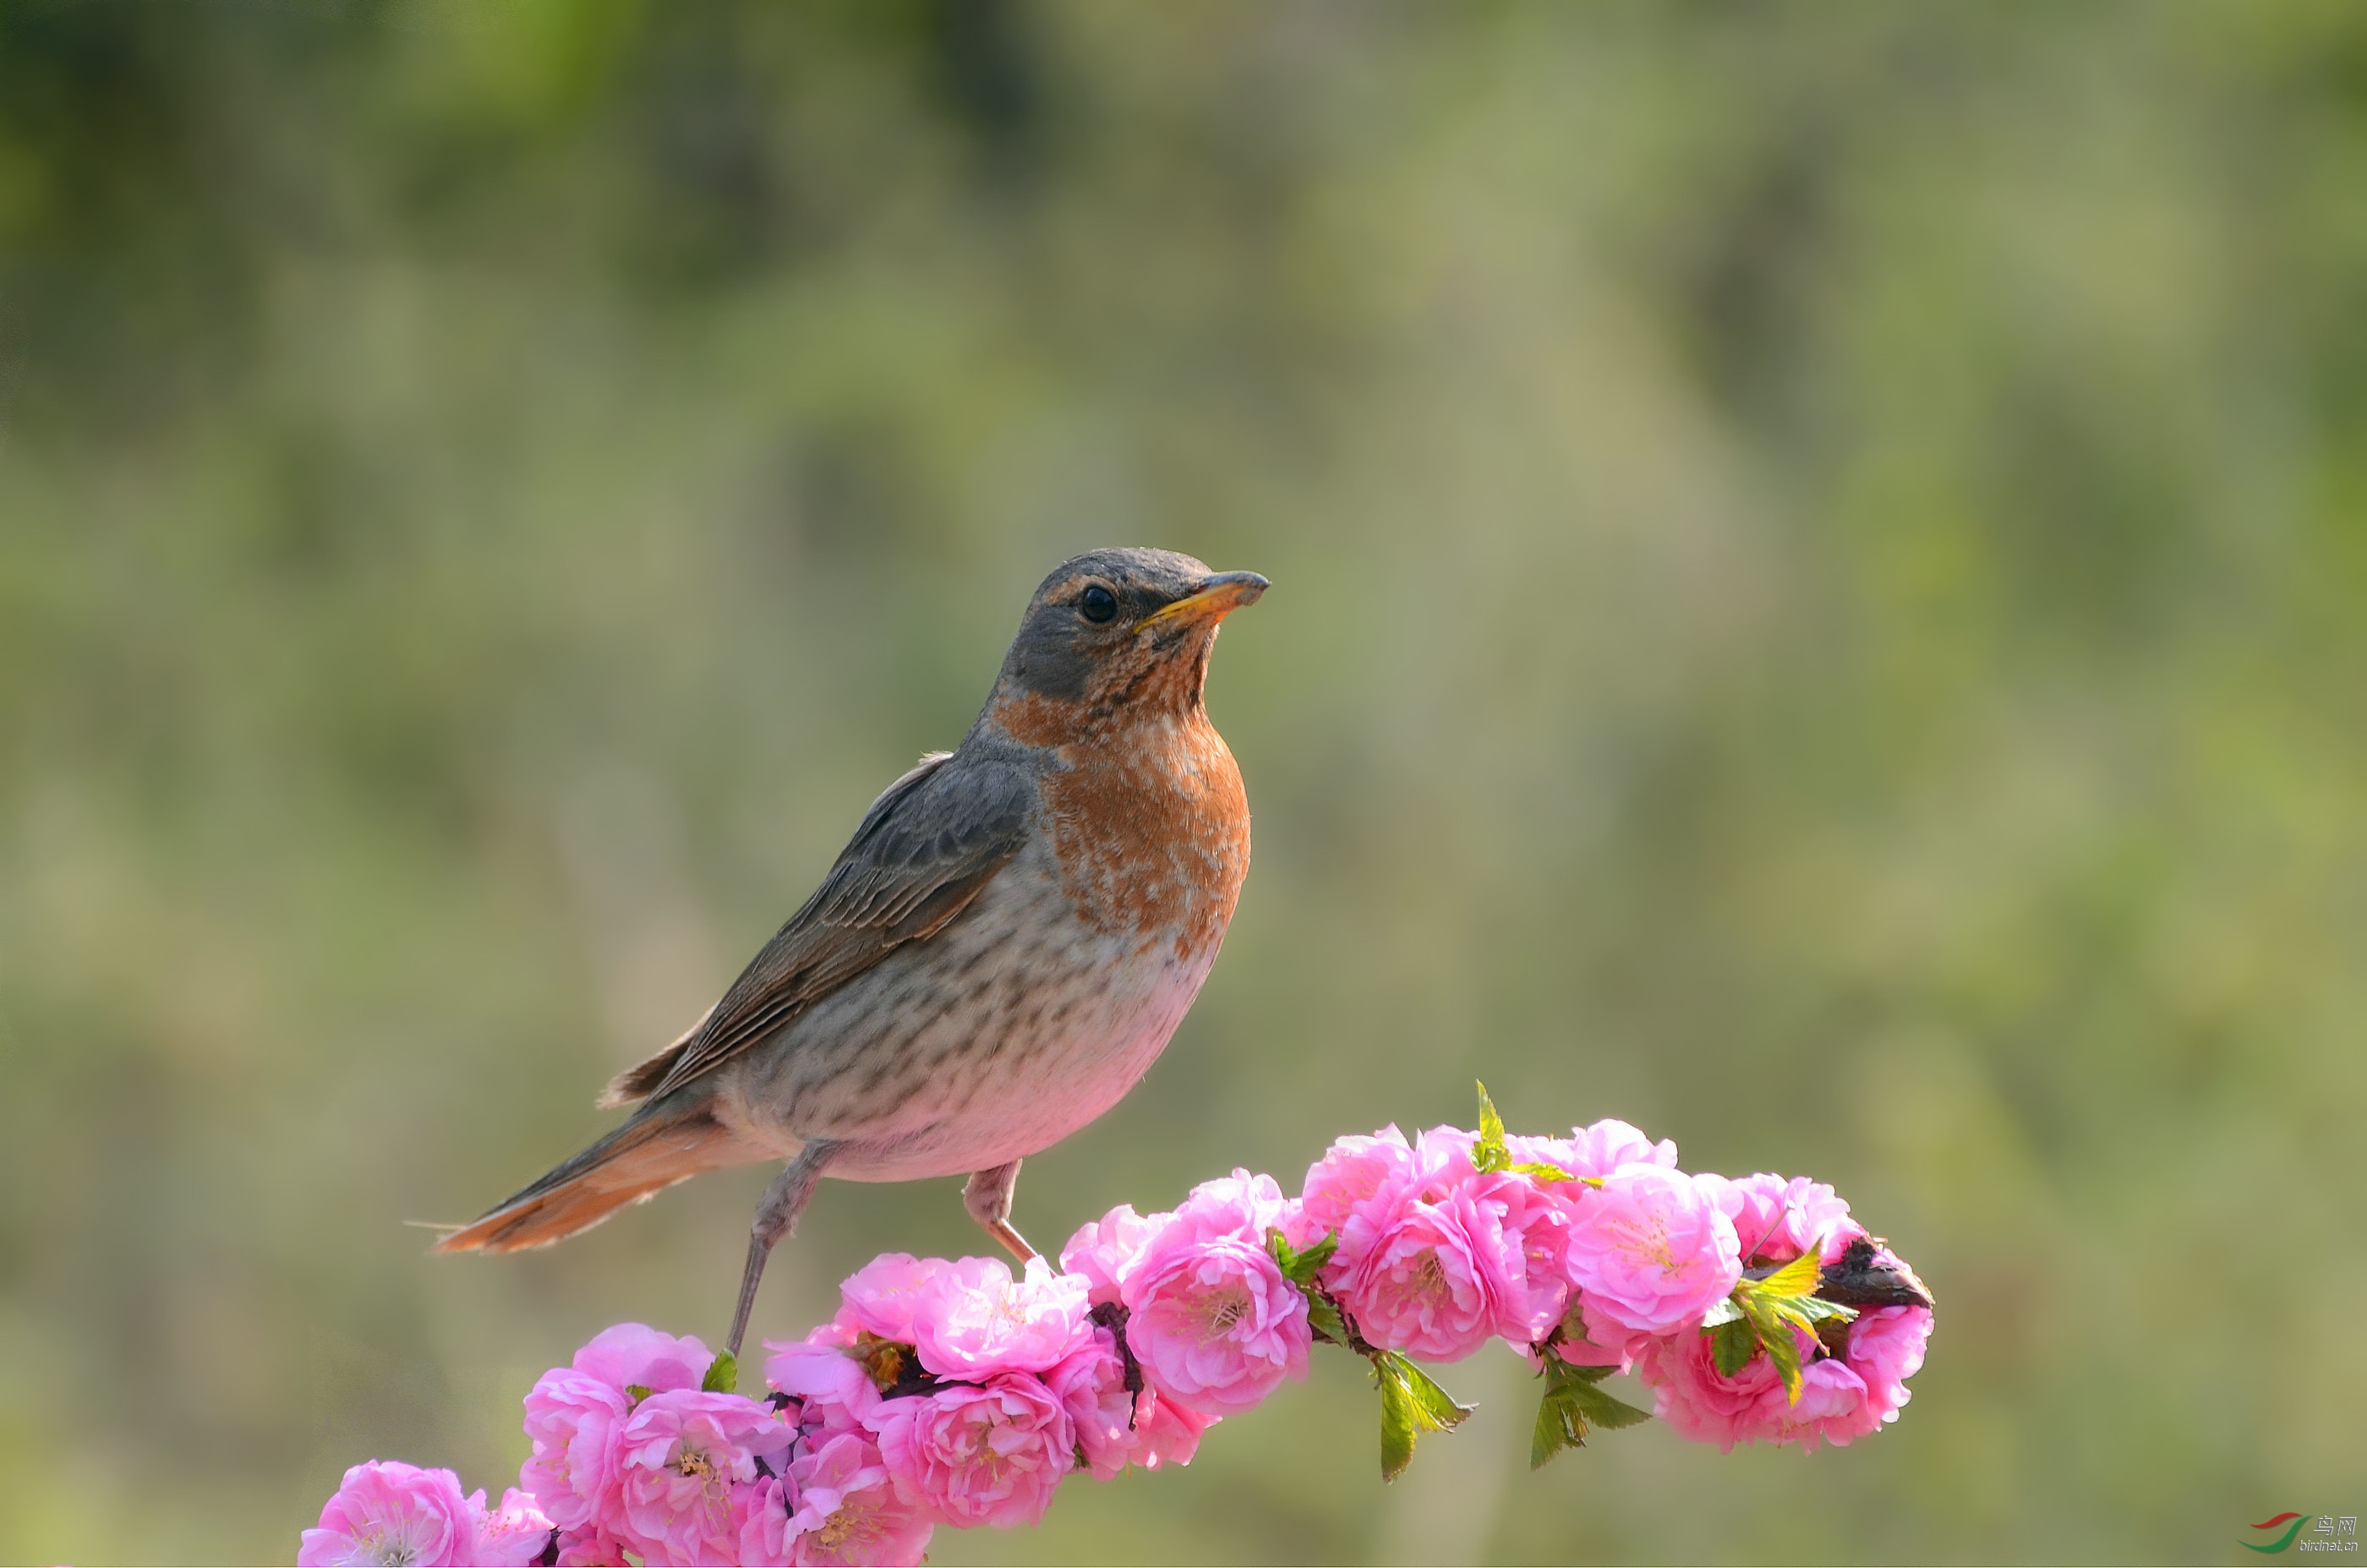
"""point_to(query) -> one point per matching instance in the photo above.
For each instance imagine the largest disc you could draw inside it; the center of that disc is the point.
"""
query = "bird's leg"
(987, 1196)
(776, 1216)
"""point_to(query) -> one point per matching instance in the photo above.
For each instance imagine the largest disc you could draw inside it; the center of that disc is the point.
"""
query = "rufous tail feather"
(631, 1165)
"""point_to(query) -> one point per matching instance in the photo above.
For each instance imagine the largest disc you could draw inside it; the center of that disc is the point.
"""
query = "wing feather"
(926, 847)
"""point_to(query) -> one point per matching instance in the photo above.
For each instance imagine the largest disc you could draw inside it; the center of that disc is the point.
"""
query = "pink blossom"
(1884, 1349)
(985, 1455)
(1597, 1150)
(513, 1534)
(388, 1512)
(678, 1459)
(635, 1354)
(572, 1419)
(1591, 1340)
(1650, 1249)
(849, 1511)
(1529, 1278)
(1778, 1219)
(973, 1320)
(1105, 1251)
(762, 1516)
(1164, 1431)
(590, 1548)
(832, 1390)
(888, 1295)
(1238, 1207)
(1091, 1386)
(1351, 1190)
(1432, 1282)
(1212, 1320)
(1703, 1405)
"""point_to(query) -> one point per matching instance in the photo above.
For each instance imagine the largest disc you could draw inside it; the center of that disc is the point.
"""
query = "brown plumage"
(1000, 953)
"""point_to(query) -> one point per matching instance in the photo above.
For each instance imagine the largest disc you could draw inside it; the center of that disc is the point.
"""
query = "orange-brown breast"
(1147, 812)
(1152, 830)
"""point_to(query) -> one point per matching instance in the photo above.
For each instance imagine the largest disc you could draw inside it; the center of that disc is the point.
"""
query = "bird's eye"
(1097, 604)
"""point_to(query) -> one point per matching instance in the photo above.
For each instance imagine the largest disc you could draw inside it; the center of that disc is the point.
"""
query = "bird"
(1001, 952)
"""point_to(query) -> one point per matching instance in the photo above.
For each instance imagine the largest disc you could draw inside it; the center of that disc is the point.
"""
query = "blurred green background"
(1820, 555)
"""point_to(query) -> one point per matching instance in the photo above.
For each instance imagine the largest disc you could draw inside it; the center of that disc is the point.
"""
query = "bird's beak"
(1216, 596)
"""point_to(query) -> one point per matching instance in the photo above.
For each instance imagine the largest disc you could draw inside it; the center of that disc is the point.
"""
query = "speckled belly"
(1009, 1029)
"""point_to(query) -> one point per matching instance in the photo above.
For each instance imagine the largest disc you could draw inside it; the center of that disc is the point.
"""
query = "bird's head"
(1117, 634)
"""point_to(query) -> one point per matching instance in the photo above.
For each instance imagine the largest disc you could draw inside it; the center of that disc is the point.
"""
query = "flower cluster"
(959, 1392)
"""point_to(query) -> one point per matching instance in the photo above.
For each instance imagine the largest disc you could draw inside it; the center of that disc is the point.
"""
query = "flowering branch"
(955, 1394)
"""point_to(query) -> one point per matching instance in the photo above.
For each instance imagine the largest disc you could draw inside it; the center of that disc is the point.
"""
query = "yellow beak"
(1216, 597)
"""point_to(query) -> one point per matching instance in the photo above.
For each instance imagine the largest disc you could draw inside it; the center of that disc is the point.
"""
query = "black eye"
(1097, 604)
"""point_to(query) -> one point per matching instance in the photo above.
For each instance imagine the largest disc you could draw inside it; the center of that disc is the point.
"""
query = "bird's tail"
(658, 1147)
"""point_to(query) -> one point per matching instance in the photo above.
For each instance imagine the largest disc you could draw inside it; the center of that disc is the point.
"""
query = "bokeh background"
(1820, 557)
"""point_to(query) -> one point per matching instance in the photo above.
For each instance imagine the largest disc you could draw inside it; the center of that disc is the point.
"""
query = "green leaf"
(1727, 1310)
(1437, 1407)
(1411, 1404)
(1732, 1344)
(1490, 1153)
(1571, 1404)
(1300, 1268)
(1325, 1319)
(1815, 1309)
(1775, 1330)
(1604, 1410)
(1397, 1421)
(1560, 1425)
(1794, 1279)
(636, 1391)
(1538, 1170)
(722, 1374)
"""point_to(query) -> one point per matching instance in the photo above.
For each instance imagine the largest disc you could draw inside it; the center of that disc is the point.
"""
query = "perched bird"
(999, 953)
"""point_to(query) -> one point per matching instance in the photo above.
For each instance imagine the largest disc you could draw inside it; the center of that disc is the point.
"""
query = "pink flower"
(1105, 1251)
(515, 1535)
(1432, 1282)
(633, 1353)
(988, 1455)
(1884, 1349)
(572, 1419)
(1778, 1219)
(590, 1548)
(1591, 1340)
(388, 1512)
(1705, 1406)
(1529, 1271)
(678, 1459)
(1351, 1190)
(973, 1320)
(1164, 1431)
(1650, 1249)
(1594, 1151)
(762, 1519)
(1239, 1207)
(848, 1509)
(886, 1296)
(1212, 1320)
(833, 1392)
(1091, 1386)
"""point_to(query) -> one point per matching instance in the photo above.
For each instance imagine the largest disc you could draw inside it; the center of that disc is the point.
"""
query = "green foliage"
(1411, 1404)
(1763, 1313)
(1573, 1403)
(1300, 1268)
(1490, 1152)
(722, 1374)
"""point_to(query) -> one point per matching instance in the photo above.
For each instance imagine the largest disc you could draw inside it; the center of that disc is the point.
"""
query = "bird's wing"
(928, 844)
